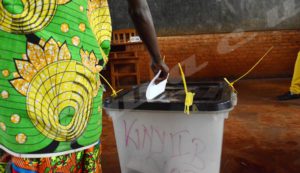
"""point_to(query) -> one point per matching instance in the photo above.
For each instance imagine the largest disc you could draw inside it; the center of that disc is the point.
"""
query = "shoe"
(288, 96)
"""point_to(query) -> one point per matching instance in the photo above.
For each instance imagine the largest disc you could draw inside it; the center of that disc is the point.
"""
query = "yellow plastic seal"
(231, 84)
(189, 96)
(114, 92)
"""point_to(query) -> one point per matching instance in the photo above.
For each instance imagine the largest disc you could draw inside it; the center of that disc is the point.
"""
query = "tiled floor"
(262, 135)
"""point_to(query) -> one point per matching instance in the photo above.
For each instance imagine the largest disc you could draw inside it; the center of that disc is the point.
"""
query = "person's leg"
(294, 92)
(295, 86)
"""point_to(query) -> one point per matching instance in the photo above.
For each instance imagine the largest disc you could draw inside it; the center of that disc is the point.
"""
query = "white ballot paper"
(153, 90)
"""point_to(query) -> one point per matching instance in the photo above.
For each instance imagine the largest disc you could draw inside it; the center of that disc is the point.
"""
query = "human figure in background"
(294, 92)
(51, 53)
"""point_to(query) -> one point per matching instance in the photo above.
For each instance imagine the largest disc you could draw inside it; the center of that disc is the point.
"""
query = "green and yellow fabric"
(51, 53)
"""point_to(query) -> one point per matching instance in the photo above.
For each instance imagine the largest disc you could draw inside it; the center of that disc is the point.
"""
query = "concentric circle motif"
(57, 88)
(35, 16)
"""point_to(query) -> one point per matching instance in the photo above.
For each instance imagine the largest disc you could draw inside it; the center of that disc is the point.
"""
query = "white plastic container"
(160, 141)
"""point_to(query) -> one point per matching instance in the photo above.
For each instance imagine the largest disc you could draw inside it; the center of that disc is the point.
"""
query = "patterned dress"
(51, 53)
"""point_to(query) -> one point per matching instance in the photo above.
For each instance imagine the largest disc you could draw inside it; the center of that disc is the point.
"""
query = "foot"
(288, 96)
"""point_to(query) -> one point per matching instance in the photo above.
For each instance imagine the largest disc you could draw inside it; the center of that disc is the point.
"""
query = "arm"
(142, 19)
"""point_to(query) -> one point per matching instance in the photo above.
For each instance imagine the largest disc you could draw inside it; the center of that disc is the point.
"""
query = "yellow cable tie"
(189, 96)
(189, 99)
(255, 65)
(183, 78)
(114, 92)
(231, 84)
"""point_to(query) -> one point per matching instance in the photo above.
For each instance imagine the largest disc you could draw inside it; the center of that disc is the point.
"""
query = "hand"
(164, 70)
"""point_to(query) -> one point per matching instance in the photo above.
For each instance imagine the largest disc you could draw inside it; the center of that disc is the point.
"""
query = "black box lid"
(209, 96)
